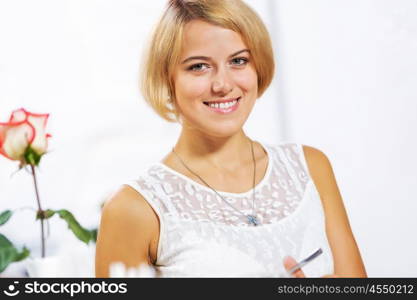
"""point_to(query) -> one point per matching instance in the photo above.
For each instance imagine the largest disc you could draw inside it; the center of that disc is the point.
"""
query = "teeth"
(223, 105)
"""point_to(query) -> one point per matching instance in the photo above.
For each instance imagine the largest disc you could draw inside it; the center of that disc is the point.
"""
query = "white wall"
(344, 85)
(348, 80)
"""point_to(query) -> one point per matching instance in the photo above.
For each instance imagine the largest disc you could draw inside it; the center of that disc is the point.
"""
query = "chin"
(216, 128)
(224, 131)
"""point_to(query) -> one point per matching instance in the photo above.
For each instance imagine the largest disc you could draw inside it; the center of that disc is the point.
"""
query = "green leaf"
(9, 254)
(94, 234)
(5, 216)
(22, 255)
(49, 213)
(4, 242)
(80, 232)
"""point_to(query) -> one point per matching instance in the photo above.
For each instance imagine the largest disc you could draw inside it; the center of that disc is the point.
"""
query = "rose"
(23, 138)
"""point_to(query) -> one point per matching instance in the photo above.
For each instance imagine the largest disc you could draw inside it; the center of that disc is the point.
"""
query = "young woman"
(220, 204)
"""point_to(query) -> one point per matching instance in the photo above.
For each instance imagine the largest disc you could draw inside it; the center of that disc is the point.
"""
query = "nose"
(222, 83)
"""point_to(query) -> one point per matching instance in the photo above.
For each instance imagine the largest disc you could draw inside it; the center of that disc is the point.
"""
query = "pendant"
(252, 220)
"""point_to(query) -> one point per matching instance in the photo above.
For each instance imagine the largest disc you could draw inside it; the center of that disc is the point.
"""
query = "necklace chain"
(250, 218)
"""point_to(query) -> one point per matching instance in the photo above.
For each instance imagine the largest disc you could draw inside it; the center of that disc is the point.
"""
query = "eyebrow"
(208, 58)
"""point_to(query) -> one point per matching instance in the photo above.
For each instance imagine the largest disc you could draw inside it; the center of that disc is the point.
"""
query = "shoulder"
(127, 205)
(317, 161)
(321, 171)
(127, 220)
(127, 229)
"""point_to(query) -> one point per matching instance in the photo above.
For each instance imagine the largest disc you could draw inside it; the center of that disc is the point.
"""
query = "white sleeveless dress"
(202, 236)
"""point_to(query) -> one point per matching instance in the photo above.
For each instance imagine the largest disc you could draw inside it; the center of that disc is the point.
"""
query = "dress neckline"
(201, 186)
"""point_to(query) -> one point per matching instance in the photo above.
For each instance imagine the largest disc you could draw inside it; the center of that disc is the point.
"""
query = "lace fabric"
(202, 236)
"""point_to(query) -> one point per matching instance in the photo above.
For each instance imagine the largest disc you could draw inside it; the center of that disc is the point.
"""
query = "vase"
(51, 266)
(67, 264)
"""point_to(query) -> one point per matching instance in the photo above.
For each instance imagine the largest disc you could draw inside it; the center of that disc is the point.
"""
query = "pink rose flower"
(24, 135)
(23, 138)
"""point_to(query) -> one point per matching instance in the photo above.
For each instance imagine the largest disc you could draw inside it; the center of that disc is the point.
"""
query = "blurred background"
(346, 83)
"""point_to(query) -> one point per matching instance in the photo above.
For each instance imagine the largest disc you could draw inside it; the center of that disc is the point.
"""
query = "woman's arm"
(127, 228)
(347, 258)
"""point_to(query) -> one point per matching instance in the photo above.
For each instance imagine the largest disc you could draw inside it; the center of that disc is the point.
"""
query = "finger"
(290, 262)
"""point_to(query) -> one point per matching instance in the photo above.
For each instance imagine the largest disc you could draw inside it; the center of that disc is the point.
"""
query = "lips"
(221, 101)
(221, 108)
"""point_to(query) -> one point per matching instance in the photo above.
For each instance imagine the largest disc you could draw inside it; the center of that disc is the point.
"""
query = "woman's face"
(215, 82)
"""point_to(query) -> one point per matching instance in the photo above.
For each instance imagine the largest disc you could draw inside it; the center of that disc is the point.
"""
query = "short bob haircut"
(165, 46)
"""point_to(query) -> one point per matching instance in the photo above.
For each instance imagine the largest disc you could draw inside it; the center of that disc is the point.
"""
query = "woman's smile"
(226, 106)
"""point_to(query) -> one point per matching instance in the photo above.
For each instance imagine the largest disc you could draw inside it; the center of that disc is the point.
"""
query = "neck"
(222, 153)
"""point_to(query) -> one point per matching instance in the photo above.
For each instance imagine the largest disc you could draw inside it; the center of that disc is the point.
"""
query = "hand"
(290, 262)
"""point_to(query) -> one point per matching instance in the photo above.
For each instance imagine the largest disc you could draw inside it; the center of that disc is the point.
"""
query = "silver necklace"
(251, 218)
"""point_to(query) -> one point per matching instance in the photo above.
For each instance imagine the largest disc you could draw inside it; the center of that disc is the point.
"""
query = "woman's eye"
(239, 61)
(198, 67)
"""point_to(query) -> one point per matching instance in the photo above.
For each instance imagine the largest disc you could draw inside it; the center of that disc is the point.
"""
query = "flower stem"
(39, 209)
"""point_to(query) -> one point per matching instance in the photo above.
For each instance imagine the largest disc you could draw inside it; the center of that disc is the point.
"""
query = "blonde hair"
(164, 49)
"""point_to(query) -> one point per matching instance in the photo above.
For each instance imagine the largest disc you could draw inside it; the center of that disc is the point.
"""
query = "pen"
(305, 261)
